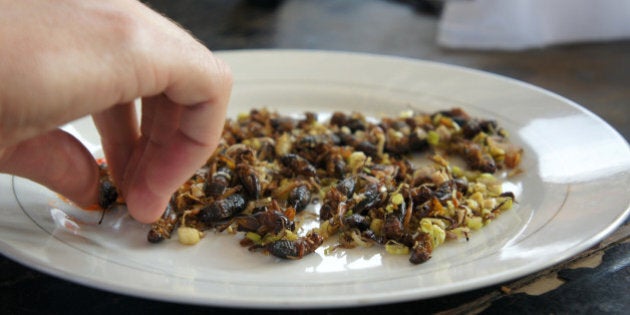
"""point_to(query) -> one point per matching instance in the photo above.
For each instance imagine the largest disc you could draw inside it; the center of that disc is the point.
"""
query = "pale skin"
(62, 60)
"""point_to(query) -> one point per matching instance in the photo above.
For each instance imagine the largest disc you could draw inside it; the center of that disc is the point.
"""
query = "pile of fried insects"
(268, 168)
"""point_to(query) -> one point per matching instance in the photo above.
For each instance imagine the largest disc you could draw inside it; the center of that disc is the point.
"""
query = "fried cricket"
(268, 168)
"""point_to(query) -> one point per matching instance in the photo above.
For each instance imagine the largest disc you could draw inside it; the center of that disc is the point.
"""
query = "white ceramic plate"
(575, 190)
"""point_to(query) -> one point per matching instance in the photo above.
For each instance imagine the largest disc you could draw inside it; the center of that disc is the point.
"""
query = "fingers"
(169, 155)
(180, 128)
(118, 127)
(58, 161)
(186, 90)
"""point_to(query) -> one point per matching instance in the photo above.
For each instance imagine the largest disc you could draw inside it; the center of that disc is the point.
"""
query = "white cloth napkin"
(521, 24)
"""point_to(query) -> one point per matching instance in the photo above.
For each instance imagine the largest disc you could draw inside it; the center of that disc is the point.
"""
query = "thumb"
(56, 160)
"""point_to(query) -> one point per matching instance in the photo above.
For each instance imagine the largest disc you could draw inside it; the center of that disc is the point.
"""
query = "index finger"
(167, 155)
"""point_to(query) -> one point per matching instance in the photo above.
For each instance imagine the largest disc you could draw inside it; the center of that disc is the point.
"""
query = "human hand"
(61, 60)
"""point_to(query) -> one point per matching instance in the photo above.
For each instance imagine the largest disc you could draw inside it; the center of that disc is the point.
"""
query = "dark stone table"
(595, 75)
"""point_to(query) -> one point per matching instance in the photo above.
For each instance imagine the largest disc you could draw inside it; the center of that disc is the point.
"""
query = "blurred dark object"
(270, 4)
(433, 7)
